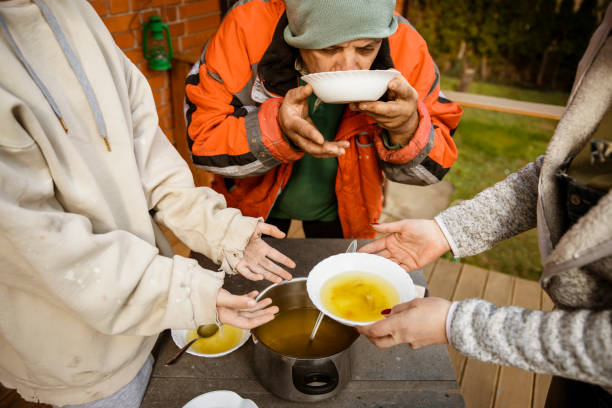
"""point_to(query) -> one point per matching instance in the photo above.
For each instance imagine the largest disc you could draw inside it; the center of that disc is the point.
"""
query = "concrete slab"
(407, 201)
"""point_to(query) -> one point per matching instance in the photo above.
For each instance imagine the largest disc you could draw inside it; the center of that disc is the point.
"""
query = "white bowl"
(362, 262)
(180, 339)
(220, 399)
(350, 86)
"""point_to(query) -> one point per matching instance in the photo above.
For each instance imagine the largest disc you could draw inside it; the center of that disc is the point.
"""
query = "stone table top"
(395, 377)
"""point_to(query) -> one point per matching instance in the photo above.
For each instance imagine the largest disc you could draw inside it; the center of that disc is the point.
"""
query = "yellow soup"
(224, 339)
(289, 334)
(358, 296)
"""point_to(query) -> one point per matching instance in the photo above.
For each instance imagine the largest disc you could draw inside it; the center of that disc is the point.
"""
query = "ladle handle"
(181, 351)
(316, 327)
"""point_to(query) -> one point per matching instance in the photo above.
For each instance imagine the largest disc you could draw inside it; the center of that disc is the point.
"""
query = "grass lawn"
(492, 145)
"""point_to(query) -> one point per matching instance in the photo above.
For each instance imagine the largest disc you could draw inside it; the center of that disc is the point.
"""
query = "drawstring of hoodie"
(74, 63)
(28, 68)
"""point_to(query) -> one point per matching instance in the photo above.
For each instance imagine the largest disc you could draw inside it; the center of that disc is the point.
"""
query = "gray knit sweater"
(575, 340)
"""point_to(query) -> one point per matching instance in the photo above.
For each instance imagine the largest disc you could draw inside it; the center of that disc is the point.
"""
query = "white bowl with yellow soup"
(223, 342)
(354, 288)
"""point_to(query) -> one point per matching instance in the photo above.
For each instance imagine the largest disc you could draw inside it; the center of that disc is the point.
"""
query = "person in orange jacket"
(279, 153)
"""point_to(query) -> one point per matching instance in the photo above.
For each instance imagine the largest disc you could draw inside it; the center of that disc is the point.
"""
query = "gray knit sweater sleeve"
(573, 344)
(495, 214)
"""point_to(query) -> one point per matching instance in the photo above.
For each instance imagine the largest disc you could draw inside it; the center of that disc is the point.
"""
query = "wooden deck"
(486, 385)
(483, 385)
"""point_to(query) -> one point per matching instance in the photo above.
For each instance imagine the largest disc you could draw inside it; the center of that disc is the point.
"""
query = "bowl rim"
(392, 71)
(179, 336)
(237, 400)
(342, 87)
(284, 282)
(315, 298)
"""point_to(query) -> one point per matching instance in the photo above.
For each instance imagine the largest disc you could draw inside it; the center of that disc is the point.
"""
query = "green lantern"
(157, 48)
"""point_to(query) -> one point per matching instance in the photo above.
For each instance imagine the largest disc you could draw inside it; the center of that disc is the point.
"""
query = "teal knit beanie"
(317, 24)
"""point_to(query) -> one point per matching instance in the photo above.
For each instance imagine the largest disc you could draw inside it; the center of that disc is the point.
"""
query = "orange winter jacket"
(233, 95)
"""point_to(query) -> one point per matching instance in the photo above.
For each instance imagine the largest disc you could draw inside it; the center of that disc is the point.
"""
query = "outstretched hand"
(411, 243)
(420, 322)
(257, 262)
(244, 311)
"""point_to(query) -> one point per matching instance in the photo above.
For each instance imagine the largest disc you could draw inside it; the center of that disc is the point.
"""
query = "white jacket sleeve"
(197, 216)
(114, 281)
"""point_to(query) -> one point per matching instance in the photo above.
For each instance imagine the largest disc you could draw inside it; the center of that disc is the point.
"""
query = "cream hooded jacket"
(83, 289)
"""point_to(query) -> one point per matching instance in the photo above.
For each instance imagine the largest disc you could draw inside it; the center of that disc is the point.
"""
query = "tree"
(526, 42)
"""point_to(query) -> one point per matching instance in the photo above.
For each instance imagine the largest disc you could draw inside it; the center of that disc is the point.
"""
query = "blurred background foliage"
(527, 43)
(518, 49)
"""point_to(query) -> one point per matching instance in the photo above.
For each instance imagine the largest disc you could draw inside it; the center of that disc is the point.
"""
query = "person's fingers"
(387, 227)
(302, 142)
(302, 129)
(308, 138)
(401, 88)
(229, 317)
(272, 277)
(385, 253)
(336, 148)
(382, 111)
(275, 269)
(261, 305)
(379, 329)
(239, 307)
(304, 92)
(333, 149)
(395, 120)
(344, 144)
(326, 155)
(244, 270)
(281, 258)
(299, 94)
(226, 299)
(374, 246)
(271, 230)
(326, 149)
(257, 313)
(402, 307)
(260, 270)
(252, 294)
(257, 268)
(383, 342)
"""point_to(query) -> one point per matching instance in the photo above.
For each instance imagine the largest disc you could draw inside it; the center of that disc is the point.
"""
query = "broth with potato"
(358, 296)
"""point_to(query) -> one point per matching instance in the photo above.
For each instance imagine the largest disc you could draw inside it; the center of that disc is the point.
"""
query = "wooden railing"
(506, 105)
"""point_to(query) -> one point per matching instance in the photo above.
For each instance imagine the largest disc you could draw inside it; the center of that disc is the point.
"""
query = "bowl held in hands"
(350, 86)
(354, 283)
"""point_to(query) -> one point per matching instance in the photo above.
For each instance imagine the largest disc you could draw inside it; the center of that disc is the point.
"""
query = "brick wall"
(191, 23)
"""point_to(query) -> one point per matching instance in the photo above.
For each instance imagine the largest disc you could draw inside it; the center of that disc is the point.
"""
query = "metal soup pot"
(286, 363)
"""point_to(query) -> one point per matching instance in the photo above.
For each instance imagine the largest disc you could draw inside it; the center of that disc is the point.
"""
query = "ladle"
(351, 248)
(316, 327)
(206, 330)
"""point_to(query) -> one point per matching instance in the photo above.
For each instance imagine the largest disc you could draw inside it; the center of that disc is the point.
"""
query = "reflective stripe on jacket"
(233, 96)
